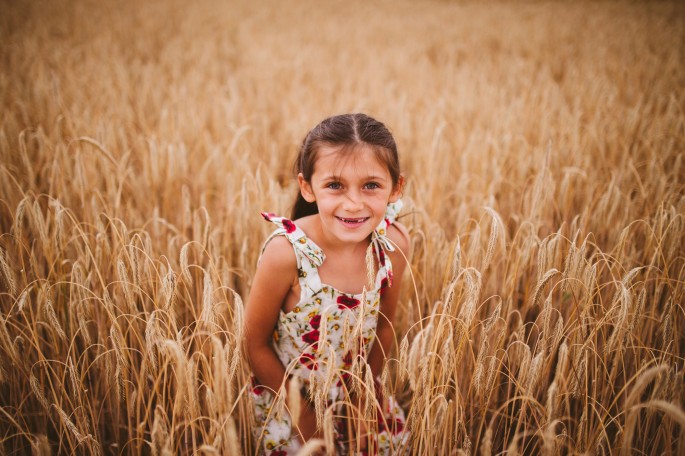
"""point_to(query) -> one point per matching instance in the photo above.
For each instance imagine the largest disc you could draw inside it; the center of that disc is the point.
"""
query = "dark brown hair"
(343, 130)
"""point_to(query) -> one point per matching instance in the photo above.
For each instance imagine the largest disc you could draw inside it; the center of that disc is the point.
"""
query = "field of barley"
(543, 145)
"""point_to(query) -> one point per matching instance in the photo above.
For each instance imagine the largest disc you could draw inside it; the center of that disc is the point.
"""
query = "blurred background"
(542, 144)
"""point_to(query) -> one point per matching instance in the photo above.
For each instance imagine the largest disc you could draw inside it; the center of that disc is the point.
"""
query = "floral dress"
(324, 341)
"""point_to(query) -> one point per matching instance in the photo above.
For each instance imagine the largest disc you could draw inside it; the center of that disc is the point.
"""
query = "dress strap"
(302, 244)
(309, 255)
(381, 242)
(380, 234)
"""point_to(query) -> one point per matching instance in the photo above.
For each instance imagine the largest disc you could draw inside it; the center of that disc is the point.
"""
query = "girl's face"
(352, 189)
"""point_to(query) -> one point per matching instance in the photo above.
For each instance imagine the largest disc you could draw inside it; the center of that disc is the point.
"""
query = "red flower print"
(312, 337)
(381, 426)
(386, 282)
(288, 225)
(347, 302)
(315, 322)
(381, 257)
(309, 361)
(256, 388)
(344, 378)
(278, 453)
(398, 426)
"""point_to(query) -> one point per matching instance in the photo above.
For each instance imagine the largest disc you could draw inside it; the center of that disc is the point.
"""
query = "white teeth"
(355, 220)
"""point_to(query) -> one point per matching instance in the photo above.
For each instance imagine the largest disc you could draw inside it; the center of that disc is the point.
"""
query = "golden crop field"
(543, 145)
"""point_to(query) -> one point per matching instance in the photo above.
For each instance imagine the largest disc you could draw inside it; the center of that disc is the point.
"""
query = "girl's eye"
(334, 185)
(371, 186)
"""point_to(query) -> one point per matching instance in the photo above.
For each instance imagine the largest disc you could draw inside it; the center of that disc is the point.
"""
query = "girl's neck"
(343, 248)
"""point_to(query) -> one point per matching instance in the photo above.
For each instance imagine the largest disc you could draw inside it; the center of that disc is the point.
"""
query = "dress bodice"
(328, 328)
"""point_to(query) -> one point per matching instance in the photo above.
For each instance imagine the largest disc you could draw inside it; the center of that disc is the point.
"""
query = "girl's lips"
(353, 221)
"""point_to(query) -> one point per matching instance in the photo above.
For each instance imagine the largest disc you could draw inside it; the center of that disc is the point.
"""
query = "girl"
(324, 295)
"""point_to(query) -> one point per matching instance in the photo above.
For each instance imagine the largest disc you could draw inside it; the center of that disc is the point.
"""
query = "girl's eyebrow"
(336, 177)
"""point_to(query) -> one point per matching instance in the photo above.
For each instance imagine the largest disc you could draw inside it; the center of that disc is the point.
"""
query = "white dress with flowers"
(322, 340)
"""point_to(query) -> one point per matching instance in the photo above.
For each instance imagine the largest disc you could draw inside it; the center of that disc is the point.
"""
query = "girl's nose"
(353, 202)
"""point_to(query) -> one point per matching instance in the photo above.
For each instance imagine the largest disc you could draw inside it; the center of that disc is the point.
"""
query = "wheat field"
(542, 144)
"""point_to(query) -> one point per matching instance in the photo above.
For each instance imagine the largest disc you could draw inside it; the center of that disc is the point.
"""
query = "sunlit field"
(544, 150)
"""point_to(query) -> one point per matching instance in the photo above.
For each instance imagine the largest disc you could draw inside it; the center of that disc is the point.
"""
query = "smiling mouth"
(353, 220)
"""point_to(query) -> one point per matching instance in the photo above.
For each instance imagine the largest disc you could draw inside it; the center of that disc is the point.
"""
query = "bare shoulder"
(399, 235)
(278, 256)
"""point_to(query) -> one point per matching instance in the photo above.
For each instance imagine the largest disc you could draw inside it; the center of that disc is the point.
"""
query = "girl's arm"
(275, 275)
(385, 334)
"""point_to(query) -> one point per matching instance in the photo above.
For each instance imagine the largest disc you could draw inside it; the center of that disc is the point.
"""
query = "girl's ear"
(305, 189)
(397, 191)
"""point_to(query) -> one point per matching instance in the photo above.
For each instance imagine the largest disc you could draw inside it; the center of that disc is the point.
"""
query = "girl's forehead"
(359, 158)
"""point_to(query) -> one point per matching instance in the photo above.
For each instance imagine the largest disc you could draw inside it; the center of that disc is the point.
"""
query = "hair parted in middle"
(344, 130)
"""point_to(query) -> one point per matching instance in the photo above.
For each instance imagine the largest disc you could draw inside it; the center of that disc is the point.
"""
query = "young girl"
(324, 295)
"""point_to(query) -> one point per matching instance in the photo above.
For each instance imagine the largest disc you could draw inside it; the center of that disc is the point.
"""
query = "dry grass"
(543, 144)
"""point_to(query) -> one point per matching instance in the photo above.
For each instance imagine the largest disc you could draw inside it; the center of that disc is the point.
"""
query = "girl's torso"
(324, 324)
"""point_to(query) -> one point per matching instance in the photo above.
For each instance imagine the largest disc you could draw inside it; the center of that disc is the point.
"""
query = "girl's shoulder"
(278, 256)
(309, 226)
(399, 236)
